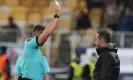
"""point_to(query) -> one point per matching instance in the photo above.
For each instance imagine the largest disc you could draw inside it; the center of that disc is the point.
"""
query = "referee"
(33, 59)
(19, 68)
(108, 64)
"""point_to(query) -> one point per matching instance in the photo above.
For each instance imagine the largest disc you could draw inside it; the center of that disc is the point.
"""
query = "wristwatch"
(56, 16)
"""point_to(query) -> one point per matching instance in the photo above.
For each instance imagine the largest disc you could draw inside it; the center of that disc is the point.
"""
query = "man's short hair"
(38, 28)
(105, 35)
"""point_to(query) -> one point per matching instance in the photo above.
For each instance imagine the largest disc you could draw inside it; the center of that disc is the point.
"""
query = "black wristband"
(56, 16)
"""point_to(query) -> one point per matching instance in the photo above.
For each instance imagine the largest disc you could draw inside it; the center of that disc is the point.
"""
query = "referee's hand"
(58, 10)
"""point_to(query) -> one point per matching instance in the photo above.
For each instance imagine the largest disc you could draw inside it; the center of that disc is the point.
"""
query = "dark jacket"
(86, 72)
(108, 64)
(71, 72)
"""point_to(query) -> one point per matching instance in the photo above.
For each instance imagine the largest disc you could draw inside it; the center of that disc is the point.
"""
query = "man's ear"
(102, 41)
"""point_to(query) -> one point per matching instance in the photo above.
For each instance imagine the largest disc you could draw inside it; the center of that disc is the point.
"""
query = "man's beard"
(98, 46)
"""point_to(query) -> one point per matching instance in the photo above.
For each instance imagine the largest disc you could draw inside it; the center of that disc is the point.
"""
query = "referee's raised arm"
(50, 28)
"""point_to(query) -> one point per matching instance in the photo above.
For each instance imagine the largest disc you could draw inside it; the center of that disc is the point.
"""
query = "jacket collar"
(110, 47)
(103, 50)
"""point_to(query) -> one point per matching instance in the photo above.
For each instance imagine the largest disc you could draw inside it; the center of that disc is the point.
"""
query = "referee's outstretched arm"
(50, 28)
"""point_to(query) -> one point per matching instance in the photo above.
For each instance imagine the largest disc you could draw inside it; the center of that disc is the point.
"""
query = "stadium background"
(70, 39)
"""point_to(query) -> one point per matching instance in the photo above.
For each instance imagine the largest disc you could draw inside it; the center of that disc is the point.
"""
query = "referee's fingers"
(57, 3)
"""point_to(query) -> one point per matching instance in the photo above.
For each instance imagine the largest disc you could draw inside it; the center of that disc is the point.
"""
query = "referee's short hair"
(105, 35)
(38, 28)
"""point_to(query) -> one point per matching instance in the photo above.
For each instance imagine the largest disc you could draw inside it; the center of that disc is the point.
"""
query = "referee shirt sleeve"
(17, 67)
(33, 42)
(45, 66)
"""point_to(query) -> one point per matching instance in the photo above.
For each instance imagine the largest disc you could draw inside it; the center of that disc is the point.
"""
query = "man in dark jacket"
(108, 64)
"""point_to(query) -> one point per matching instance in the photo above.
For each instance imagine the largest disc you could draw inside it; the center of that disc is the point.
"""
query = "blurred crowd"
(82, 72)
(79, 15)
(11, 30)
(116, 15)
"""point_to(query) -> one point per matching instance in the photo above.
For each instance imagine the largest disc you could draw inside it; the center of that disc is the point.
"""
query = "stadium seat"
(19, 9)
(19, 12)
(26, 3)
(12, 2)
(34, 17)
(4, 16)
(96, 13)
(48, 10)
(19, 16)
(70, 3)
(95, 17)
(2, 2)
(92, 31)
(40, 3)
(64, 24)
